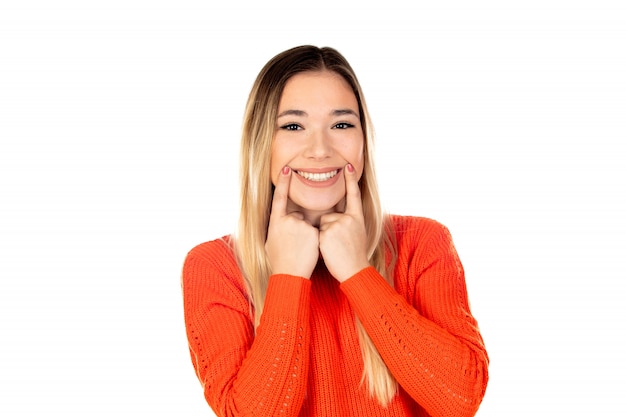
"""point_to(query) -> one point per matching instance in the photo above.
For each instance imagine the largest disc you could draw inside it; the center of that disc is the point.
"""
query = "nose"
(318, 146)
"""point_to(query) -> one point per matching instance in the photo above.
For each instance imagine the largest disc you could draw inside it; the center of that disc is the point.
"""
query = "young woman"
(320, 304)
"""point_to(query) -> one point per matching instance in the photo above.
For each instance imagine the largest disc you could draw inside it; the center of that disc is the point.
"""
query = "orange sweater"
(305, 359)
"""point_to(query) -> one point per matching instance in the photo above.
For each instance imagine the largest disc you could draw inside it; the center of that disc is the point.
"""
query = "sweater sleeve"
(243, 373)
(433, 346)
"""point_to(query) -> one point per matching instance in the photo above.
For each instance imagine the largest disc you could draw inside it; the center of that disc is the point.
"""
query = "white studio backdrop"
(119, 131)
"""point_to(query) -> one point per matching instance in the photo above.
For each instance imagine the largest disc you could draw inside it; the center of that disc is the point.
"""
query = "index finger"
(281, 193)
(353, 192)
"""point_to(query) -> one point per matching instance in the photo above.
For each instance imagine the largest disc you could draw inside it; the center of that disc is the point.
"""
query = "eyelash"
(345, 124)
(294, 126)
(291, 127)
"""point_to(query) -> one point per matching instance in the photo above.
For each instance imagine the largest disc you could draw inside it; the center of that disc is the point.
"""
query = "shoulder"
(211, 276)
(217, 250)
(417, 229)
(213, 263)
(420, 238)
(423, 247)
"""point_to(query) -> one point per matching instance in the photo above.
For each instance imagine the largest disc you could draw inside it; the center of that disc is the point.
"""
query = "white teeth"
(317, 176)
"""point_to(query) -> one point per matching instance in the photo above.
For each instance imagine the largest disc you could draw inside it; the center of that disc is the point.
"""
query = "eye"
(291, 126)
(343, 125)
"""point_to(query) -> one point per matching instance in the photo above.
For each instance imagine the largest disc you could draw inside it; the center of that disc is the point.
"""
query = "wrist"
(354, 270)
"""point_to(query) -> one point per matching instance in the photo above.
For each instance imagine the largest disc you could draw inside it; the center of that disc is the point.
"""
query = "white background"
(119, 128)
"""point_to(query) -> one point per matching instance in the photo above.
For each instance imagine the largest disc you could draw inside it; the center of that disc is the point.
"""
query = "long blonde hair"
(257, 191)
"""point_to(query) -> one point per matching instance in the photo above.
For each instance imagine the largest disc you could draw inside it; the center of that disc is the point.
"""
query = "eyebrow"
(292, 113)
(302, 113)
(342, 112)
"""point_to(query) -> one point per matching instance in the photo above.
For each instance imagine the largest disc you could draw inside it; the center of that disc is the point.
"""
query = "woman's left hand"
(343, 238)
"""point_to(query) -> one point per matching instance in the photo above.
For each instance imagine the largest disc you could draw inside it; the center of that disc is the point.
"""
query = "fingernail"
(286, 170)
(350, 168)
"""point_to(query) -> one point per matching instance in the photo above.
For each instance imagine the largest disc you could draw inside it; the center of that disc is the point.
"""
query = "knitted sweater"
(305, 358)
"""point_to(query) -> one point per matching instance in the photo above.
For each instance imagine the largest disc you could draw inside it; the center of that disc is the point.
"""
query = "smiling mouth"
(317, 176)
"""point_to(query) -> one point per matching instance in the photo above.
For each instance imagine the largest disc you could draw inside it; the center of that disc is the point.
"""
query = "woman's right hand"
(292, 244)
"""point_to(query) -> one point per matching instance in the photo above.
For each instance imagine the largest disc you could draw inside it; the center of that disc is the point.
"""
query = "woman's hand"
(343, 238)
(292, 245)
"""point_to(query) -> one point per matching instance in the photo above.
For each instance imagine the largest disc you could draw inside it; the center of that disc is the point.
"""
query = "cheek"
(352, 150)
(274, 162)
(283, 153)
(273, 174)
(359, 160)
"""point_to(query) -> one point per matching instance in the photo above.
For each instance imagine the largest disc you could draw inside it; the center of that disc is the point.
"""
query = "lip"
(319, 184)
(317, 170)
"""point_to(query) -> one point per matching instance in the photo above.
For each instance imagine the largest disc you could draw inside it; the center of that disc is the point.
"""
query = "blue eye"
(291, 126)
(343, 125)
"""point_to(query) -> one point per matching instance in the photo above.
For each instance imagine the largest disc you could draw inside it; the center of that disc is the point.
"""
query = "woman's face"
(318, 132)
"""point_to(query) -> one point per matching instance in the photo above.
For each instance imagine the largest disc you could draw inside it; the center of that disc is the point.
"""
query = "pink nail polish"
(350, 168)
(286, 170)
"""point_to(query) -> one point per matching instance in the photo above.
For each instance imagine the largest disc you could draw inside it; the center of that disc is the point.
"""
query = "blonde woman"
(320, 304)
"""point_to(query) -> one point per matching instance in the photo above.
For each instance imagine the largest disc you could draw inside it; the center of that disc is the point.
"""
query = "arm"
(433, 346)
(243, 374)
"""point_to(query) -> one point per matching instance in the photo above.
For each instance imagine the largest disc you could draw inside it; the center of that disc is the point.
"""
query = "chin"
(320, 205)
(318, 200)
(323, 208)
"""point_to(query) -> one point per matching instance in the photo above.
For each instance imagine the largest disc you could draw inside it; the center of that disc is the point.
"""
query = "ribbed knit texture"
(305, 359)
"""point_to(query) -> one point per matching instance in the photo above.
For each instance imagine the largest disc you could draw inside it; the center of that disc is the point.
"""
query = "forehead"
(319, 88)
